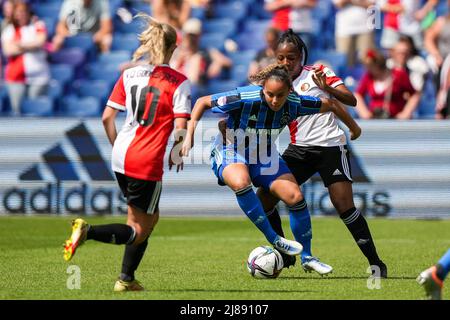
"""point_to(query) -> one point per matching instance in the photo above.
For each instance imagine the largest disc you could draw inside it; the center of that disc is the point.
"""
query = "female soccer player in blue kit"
(433, 278)
(259, 113)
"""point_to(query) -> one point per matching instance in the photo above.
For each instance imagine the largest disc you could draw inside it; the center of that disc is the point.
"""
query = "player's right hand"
(355, 133)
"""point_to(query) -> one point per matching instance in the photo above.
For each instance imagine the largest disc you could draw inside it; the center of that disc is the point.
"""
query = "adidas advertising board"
(62, 166)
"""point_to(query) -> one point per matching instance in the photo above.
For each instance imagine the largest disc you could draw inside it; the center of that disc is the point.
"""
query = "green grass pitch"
(204, 258)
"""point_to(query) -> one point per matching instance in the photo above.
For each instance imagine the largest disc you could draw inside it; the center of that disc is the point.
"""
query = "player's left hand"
(320, 79)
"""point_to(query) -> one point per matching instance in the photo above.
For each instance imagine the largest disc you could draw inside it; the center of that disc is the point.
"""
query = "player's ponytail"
(155, 41)
(273, 71)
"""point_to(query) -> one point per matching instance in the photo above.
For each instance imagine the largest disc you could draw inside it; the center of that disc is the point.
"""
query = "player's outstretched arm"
(200, 106)
(339, 110)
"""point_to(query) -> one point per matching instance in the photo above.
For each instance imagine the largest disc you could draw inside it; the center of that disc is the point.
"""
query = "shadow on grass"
(233, 290)
(343, 278)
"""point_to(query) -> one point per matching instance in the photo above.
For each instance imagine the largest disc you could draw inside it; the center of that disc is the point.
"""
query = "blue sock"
(250, 204)
(444, 262)
(300, 222)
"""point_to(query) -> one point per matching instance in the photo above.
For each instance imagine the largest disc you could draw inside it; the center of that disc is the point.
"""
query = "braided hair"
(290, 36)
(273, 71)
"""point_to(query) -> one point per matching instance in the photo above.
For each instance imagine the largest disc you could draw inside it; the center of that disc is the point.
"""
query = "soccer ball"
(264, 263)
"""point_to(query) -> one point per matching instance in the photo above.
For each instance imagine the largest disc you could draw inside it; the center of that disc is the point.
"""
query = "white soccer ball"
(264, 263)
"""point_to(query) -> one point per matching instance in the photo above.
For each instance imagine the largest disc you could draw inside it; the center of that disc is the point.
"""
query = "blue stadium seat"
(41, 106)
(50, 9)
(235, 10)
(134, 27)
(72, 56)
(109, 73)
(82, 40)
(259, 12)
(242, 56)
(50, 25)
(122, 41)
(256, 26)
(99, 89)
(55, 89)
(250, 41)
(217, 86)
(62, 72)
(239, 74)
(337, 61)
(212, 40)
(225, 26)
(138, 6)
(81, 107)
(115, 57)
(198, 12)
(114, 5)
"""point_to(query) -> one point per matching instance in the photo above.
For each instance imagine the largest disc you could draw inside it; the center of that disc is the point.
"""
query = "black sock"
(358, 227)
(112, 233)
(131, 259)
(275, 221)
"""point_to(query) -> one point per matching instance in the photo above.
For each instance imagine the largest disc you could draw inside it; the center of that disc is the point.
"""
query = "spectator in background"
(392, 10)
(27, 72)
(406, 57)
(265, 56)
(173, 12)
(7, 11)
(390, 92)
(443, 96)
(437, 44)
(198, 65)
(352, 33)
(293, 14)
(91, 16)
(403, 17)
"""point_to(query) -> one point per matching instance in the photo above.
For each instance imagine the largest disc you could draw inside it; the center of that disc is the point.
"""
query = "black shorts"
(332, 163)
(141, 194)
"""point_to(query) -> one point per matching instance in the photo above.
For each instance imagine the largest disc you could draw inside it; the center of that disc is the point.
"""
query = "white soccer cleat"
(289, 247)
(310, 263)
(431, 283)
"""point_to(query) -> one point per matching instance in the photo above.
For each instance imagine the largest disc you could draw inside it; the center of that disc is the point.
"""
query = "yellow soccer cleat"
(122, 286)
(77, 238)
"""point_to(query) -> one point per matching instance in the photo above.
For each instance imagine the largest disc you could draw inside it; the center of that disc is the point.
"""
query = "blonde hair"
(275, 71)
(156, 40)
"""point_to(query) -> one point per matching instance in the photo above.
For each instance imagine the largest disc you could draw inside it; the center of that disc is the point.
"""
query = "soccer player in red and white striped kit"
(154, 97)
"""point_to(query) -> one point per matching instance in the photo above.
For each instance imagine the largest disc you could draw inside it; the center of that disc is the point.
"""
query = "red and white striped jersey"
(152, 96)
(30, 67)
(319, 129)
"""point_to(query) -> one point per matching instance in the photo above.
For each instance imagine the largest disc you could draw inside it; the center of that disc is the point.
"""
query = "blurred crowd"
(61, 58)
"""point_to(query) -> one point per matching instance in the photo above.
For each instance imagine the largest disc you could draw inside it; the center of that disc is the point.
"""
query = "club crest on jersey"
(222, 101)
(305, 87)
(285, 119)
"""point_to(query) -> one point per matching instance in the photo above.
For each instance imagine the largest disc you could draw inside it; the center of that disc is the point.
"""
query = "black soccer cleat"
(380, 270)
(288, 260)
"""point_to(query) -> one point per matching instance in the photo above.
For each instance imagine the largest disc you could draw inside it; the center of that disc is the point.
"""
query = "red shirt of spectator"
(401, 89)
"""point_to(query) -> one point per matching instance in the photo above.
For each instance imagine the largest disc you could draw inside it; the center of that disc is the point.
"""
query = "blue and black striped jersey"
(248, 110)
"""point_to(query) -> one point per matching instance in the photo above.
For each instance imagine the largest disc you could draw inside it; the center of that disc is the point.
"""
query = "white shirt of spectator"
(318, 129)
(352, 20)
(407, 22)
(300, 20)
(81, 19)
(34, 63)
